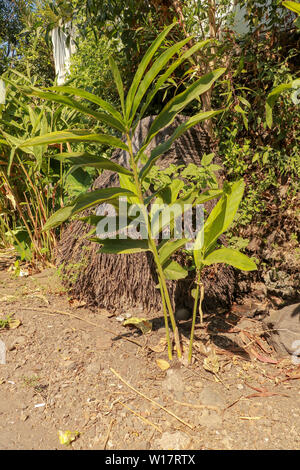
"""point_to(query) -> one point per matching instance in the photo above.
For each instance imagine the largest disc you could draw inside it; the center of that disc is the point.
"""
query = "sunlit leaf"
(82, 202)
(173, 271)
(84, 159)
(232, 257)
(74, 136)
(141, 323)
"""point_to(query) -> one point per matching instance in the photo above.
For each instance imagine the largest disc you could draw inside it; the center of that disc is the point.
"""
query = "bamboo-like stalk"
(163, 285)
(166, 321)
(21, 214)
(199, 293)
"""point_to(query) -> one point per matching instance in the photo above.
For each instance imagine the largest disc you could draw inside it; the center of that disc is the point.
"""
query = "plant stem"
(200, 303)
(166, 320)
(161, 276)
(18, 207)
(199, 292)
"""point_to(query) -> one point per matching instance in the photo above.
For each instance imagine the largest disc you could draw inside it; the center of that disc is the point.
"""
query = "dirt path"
(60, 374)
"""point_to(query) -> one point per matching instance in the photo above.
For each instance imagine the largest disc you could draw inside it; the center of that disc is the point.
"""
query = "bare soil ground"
(68, 368)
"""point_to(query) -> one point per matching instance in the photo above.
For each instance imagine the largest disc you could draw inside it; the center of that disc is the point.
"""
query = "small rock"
(174, 382)
(103, 342)
(182, 314)
(23, 406)
(209, 396)
(285, 330)
(172, 441)
(210, 419)
(227, 443)
(70, 365)
(18, 341)
(94, 368)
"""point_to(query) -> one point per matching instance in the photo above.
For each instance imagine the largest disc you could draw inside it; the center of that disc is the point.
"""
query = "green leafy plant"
(133, 180)
(293, 6)
(32, 186)
(294, 84)
(204, 252)
(274, 95)
(5, 322)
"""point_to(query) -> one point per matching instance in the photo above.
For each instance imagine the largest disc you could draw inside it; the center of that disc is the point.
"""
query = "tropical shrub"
(154, 209)
(32, 186)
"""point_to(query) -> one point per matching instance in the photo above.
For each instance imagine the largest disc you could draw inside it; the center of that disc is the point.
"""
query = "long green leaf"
(83, 202)
(74, 136)
(66, 101)
(12, 123)
(11, 158)
(293, 6)
(118, 82)
(92, 98)
(143, 66)
(153, 72)
(173, 271)
(20, 75)
(84, 159)
(12, 140)
(170, 247)
(223, 213)
(232, 257)
(165, 146)
(273, 96)
(123, 246)
(179, 102)
(169, 72)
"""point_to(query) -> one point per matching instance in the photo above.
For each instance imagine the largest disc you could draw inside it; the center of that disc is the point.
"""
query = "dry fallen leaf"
(14, 323)
(162, 364)
(211, 363)
(261, 358)
(77, 303)
(66, 437)
(160, 347)
(142, 323)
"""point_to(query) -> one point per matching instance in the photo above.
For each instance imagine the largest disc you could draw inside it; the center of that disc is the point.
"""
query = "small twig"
(141, 417)
(234, 402)
(150, 399)
(108, 433)
(191, 405)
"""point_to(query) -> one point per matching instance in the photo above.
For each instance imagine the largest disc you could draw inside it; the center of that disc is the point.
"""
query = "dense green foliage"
(158, 211)
(265, 155)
